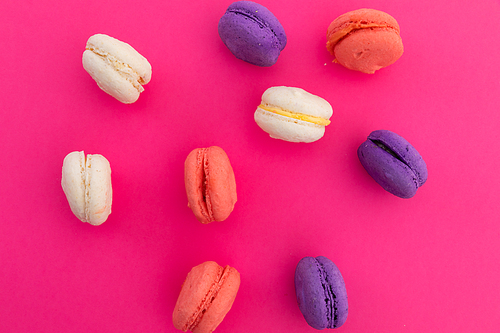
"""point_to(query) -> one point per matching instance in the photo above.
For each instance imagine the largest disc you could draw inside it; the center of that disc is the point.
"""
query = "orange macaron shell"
(207, 295)
(365, 40)
(210, 184)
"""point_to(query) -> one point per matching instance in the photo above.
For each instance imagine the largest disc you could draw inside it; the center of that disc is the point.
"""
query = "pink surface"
(427, 264)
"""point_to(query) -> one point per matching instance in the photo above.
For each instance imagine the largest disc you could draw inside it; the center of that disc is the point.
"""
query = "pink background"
(426, 264)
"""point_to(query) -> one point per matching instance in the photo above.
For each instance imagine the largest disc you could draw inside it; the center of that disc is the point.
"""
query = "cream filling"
(124, 69)
(294, 115)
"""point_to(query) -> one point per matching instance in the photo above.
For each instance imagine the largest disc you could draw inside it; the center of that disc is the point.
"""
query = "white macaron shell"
(73, 182)
(99, 192)
(297, 100)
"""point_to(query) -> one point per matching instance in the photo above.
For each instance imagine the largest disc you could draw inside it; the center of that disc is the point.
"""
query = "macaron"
(393, 162)
(117, 67)
(365, 40)
(252, 33)
(86, 182)
(293, 114)
(210, 184)
(321, 293)
(207, 295)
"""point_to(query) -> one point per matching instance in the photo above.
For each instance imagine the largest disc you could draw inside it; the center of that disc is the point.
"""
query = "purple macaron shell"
(321, 293)
(393, 162)
(252, 33)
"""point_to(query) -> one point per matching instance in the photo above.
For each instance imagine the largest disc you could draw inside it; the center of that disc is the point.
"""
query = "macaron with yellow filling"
(365, 40)
(293, 114)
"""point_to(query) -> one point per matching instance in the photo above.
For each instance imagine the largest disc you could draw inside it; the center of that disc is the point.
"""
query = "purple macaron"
(252, 33)
(321, 293)
(393, 163)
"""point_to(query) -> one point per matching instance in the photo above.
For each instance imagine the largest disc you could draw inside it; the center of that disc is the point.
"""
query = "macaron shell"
(99, 190)
(73, 182)
(221, 183)
(221, 304)
(286, 128)
(261, 13)
(252, 33)
(204, 299)
(297, 100)
(337, 285)
(369, 50)
(362, 16)
(194, 290)
(310, 293)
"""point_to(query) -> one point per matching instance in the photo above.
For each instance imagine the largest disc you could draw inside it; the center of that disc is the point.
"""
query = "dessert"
(210, 184)
(293, 114)
(393, 162)
(321, 293)
(365, 40)
(252, 33)
(87, 185)
(117, 67)
(207, 295)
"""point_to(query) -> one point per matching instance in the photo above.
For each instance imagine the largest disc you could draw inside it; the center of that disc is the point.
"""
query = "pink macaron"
(365, 40)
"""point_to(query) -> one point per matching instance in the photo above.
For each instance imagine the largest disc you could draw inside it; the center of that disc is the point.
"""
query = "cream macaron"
(87, 185)
(117, 67)
(293, 114)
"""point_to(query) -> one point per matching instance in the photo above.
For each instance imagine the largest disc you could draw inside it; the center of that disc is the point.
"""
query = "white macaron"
(117, 67)
(293, 114)
(87, 185)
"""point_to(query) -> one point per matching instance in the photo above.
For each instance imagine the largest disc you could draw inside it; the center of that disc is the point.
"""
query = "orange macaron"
(365, 40)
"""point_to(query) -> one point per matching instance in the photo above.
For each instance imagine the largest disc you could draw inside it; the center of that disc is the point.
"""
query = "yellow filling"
(300, 116)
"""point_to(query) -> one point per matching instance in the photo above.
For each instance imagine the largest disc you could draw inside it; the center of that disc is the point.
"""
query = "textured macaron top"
(262, 16)
(321, 292)
(207, 294)
(252, 33)
(297, 101)
(355, 20)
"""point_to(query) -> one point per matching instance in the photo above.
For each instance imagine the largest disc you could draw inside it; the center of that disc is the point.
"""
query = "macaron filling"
(294, 115)
(208, 300)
